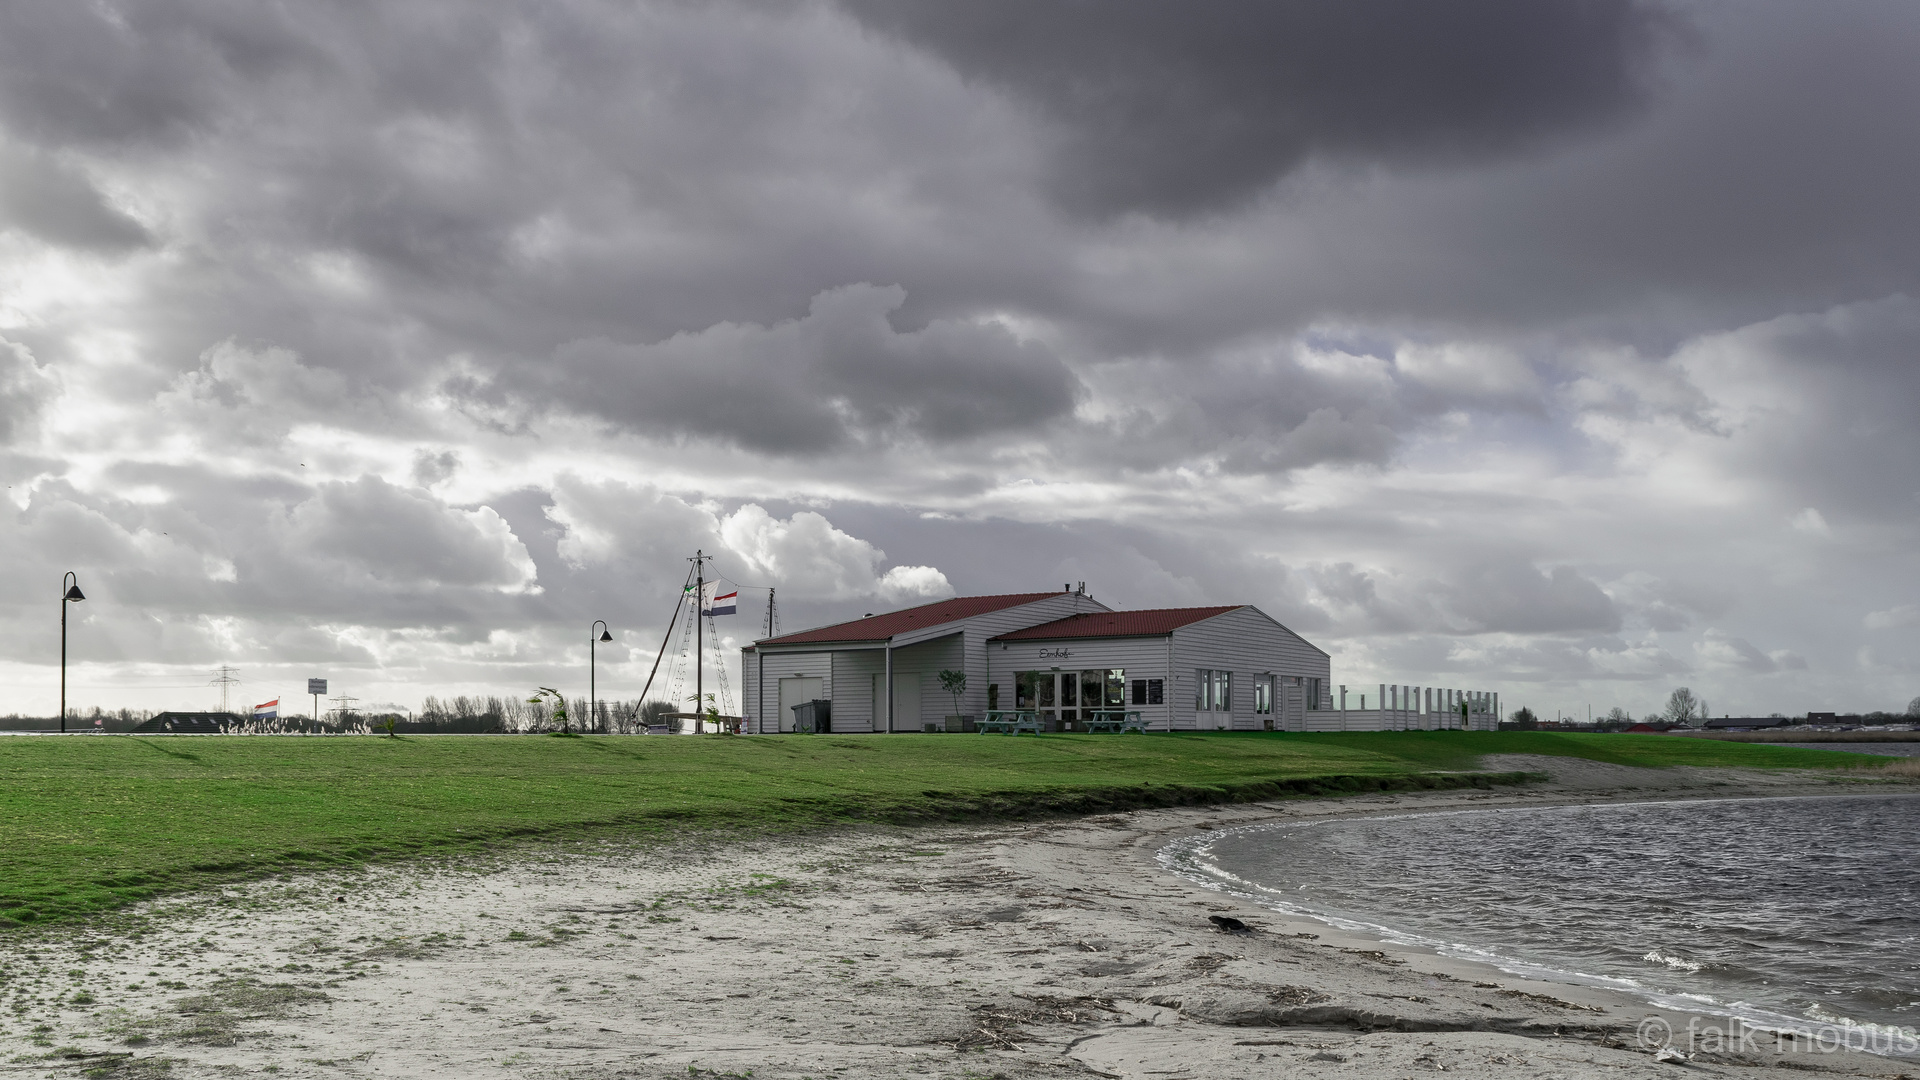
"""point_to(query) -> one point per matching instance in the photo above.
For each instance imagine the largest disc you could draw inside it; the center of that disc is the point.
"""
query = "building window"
(1149, 692)
(1025, 683)
(1313, 694)
(993, 697)
(1116, 688)
(1212, 690)
(1263, 695)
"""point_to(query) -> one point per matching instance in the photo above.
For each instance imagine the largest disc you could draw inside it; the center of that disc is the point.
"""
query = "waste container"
(813, 717)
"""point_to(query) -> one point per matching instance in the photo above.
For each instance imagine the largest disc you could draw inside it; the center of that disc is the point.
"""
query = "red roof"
(895, 623)
(1152, 622)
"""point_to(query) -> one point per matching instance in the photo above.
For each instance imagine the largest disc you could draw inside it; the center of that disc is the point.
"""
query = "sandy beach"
(1051, 949)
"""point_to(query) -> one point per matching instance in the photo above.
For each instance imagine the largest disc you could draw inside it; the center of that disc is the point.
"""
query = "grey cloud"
(391, 534)
(1515, 598)
(60, 205)
(1174, 109)
(1718, 649)
(25, 389)
(1604, 337)
(839, 375)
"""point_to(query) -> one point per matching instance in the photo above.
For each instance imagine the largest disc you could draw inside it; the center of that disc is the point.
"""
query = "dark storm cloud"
(813, 384)
(325, 302)
(1178, 108)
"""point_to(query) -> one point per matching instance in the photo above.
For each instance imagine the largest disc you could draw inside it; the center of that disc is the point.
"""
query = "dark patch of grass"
(97, 823)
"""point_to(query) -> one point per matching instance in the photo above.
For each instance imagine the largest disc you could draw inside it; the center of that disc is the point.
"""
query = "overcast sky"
(1567, 350)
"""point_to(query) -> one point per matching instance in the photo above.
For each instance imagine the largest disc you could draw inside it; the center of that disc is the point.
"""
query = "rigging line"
(678, 669)
(720, 662)
(679, 600)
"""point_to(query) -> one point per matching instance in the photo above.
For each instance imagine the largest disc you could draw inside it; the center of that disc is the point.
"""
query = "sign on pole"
(316, 686)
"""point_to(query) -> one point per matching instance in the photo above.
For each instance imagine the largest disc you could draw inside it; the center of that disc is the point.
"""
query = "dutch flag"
(269, 711)
(719, 603)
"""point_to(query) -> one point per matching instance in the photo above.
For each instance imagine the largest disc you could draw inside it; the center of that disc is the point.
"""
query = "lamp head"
(74, 593)
(606, 635)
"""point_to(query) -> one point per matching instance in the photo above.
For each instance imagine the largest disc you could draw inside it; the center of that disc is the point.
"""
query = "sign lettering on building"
(1055, 654)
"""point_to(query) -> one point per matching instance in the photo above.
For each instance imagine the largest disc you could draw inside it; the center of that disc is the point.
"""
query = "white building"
(1060, 654)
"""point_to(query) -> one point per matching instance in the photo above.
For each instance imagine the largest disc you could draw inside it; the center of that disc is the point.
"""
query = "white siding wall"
(1247, 643)
(853, 705)
(781, 666)
(927, 659)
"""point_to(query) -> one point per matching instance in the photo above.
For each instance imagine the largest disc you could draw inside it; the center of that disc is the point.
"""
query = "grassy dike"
(91, 823)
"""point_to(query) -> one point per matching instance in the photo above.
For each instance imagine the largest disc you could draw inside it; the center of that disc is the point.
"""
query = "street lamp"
(69, 594)
(593, 644)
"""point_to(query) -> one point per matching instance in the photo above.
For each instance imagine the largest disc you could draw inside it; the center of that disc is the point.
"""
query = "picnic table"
(1115, 721)
(1009, 722)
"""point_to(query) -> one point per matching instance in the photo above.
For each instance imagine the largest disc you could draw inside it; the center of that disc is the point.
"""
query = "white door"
(906, 702)
(795, 692)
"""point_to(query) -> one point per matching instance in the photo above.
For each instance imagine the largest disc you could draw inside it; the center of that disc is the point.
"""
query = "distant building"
(1060, 655)
(1747, 723)
(1063, 655)
(188, 723)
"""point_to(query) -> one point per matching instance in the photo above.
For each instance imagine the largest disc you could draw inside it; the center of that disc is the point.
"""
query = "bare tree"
(1913, 708)
(1681, 705)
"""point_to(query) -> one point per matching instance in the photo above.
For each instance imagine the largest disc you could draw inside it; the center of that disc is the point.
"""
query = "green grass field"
(92, 823)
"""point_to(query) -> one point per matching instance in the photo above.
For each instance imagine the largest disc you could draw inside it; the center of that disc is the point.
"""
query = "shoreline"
(1180, 858)
(1053, 948)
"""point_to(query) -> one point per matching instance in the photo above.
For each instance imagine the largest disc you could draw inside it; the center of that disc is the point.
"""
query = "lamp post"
(69, 594)
(593, 660)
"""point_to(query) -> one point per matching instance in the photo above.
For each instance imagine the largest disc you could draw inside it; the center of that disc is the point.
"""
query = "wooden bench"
(1008, 722)
(1114, 721)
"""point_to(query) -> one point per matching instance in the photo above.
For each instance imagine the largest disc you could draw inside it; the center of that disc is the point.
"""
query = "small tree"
(1524, 719)
(655, 712)
(955, 684)
(559, 702)
(1617, 718)
(1681, 705)
(1913, 708)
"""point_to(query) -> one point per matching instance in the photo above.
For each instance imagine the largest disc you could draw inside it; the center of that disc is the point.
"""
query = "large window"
(1025, 688)
(1149, 692)
(1263, 695)
(1313, 694)
(1212, 690)
(1066, 699)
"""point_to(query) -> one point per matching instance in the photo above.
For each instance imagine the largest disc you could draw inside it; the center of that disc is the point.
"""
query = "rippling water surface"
(1770, 908)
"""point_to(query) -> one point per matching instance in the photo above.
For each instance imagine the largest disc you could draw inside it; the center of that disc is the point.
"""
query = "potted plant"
(955, 684)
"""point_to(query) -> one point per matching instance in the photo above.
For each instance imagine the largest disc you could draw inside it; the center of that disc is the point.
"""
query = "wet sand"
(1052, 949)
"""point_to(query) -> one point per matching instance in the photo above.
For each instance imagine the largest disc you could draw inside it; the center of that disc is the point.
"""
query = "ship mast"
(699, 562)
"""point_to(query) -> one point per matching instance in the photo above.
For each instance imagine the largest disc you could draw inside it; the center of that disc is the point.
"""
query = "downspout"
(1172, 693)
(887, 685)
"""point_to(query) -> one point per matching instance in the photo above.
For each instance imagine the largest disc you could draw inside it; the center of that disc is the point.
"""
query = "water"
(1802, 911)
